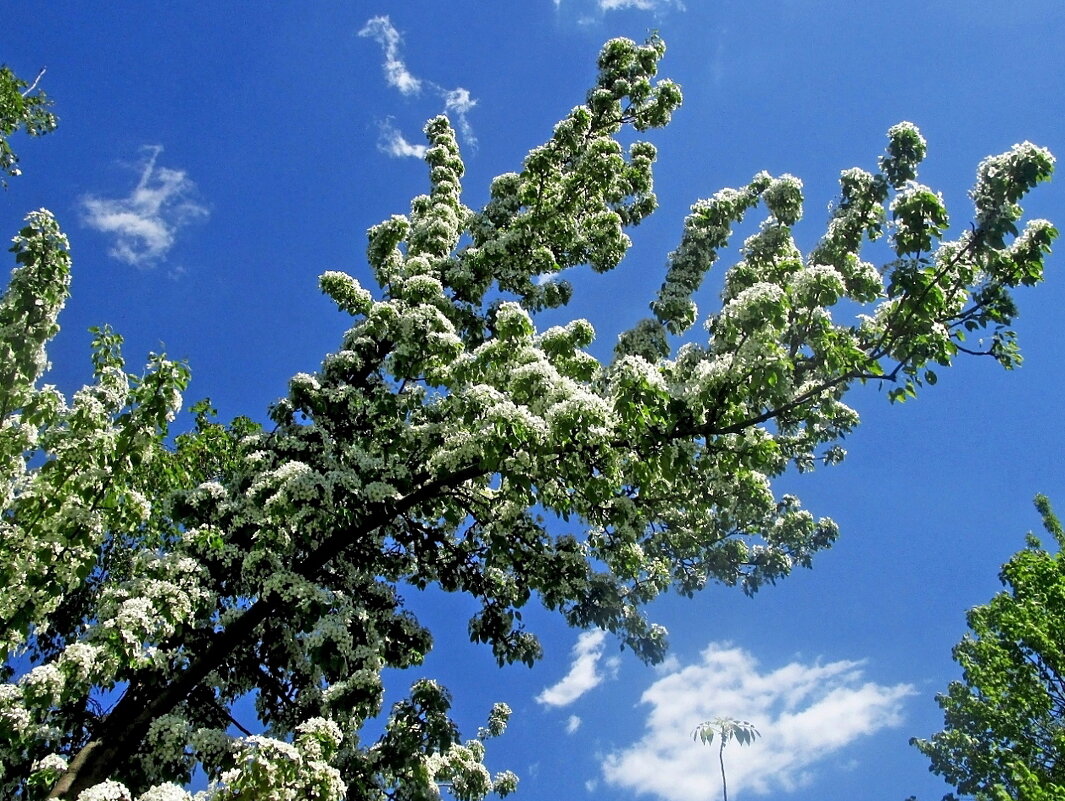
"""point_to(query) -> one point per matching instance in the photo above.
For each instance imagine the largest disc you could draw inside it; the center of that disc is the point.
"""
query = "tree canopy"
(154, 580)
(1004, 735)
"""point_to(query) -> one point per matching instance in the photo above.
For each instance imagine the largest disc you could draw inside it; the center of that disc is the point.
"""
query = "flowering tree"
(152, 582)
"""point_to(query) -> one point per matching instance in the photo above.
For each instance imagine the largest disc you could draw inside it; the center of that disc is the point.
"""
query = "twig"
(36, 80)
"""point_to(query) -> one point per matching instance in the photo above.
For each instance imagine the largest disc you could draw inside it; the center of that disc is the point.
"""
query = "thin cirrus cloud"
(457, 102)
(642, 5)
(639, 5)
(804, 712)
(584, 673)
(396, 73)
(394, 143)
(144, 225)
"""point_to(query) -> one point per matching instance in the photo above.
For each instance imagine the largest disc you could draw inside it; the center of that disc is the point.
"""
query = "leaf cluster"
(22, 107)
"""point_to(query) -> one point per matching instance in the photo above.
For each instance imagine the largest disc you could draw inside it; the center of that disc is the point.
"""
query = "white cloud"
(642, 5)
(145, 223)
(395, 144)
(573, 724)
(396, 72)
(614, 5)
(457, 102)
(668, 665)
(805, 713)
(639, 5)
(584, 673)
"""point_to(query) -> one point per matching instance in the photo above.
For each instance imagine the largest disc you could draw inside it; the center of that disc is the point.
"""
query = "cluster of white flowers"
(855, 183)
(346, 292)
(209, 493)
(43, 685)
(166, 591)
(43, 252)
(365, 682)
(497, 721)
(757, 306)
(817, 285)
(139, 507)
(52, 762)
(634, 370)
(461, 768)
(112, 387)
(783, 198)
(581, 415)
(280, 771)
(918, 217)
(13, 713)
(106, 791)
(318, 738)
(170, 792)
(134, 621)
(425, 334)
(863, 279)
(292, 481)
(1002, 179)
(304, 383)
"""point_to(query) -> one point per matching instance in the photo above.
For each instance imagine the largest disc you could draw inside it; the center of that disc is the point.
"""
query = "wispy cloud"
(395, 144)
(145, 223)
(584, 673)
(642, 5)
(396, 72)
(618, 5)
(457, 102)
(573, 724)
(805, 712)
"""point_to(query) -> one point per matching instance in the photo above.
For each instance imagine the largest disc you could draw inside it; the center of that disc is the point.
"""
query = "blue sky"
(213, 159)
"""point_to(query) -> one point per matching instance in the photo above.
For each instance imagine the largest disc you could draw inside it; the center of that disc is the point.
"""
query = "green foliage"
(22, 106)
(157, 579)
(726, 729)
(1004, 735)
(742, 731)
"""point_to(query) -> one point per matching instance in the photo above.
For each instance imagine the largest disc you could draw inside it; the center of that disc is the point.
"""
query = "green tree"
(1004, 722)
(22, 106)
(449, 442)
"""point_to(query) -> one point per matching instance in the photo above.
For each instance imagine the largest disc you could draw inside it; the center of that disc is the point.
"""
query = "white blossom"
(105, 791)
(44, 683)
(165, 792)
